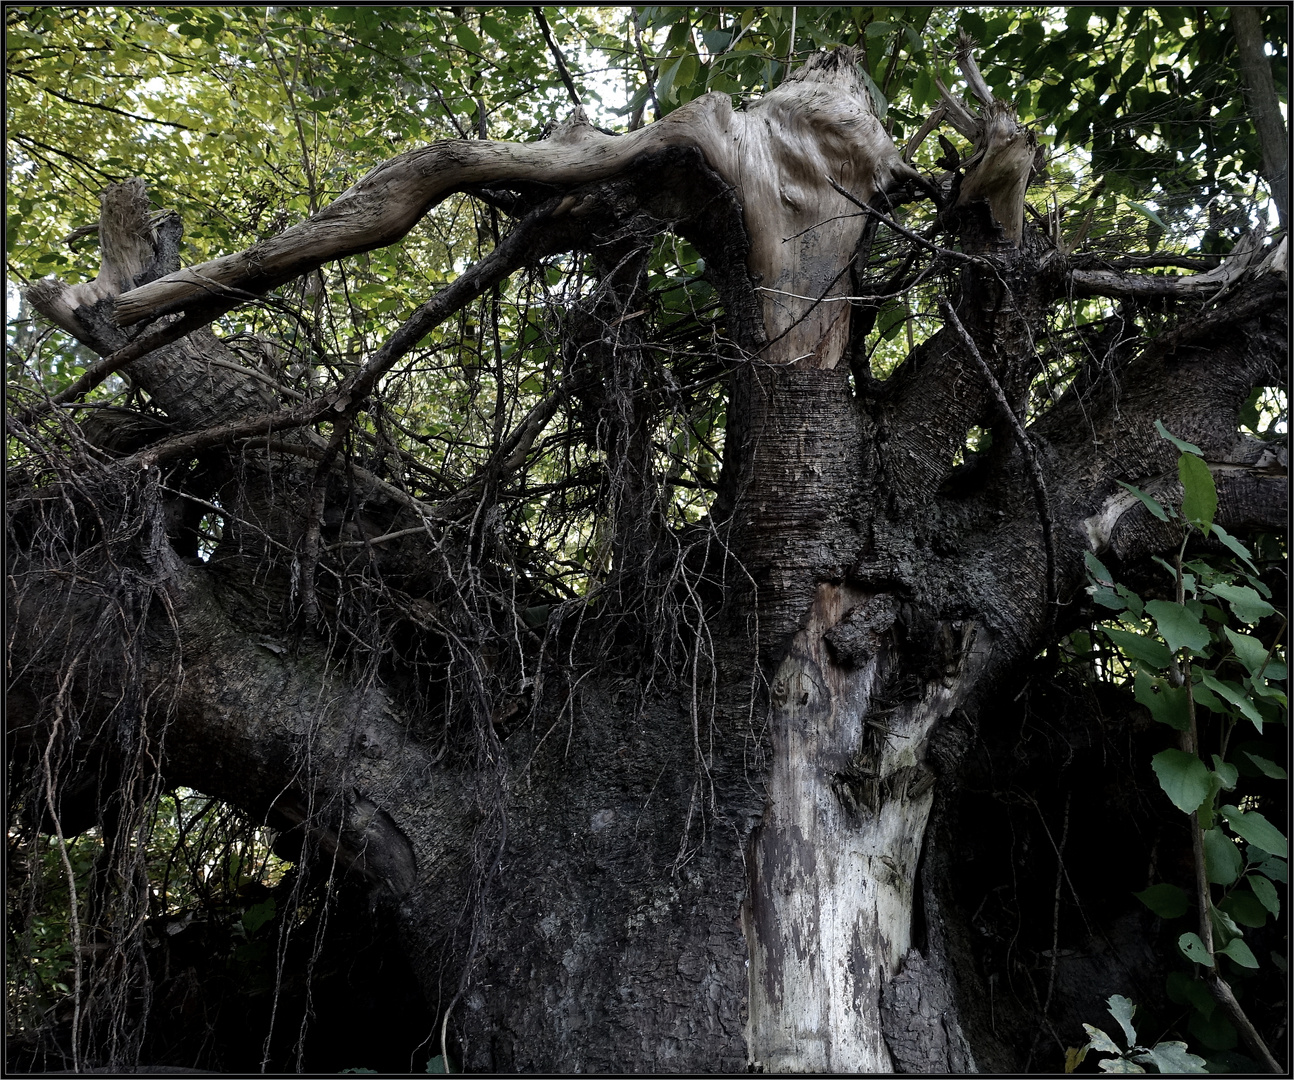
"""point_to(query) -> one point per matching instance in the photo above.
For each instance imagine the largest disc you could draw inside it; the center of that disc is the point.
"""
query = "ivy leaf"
(1165, 900)
(1221, 857)
(1152, 504)
(1257, 830)
(1248, 606)
(1193, 949)
(1181, 444)
(1240, 953)
(1184, 778)
(1200, 495)
(1179, 627)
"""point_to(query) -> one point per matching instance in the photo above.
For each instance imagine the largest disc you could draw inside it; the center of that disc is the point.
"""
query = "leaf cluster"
(1209, 665)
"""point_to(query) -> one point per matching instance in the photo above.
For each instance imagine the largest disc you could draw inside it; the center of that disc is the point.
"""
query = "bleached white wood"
(829, 919)
(778, 154)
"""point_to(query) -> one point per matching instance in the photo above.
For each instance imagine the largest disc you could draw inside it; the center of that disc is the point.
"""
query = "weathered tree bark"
(713, 875)
(1264, 105)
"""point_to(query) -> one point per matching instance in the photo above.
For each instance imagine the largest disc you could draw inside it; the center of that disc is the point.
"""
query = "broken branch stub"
(1005, 154)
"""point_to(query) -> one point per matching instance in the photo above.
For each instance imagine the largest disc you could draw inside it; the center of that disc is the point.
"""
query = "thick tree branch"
(1264, 105)
(390, 200)
(1247, 257)
(1028, 452)
(529, 240)
(750, 150)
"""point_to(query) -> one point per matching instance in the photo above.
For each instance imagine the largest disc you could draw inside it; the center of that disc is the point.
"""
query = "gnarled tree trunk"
(723, 873)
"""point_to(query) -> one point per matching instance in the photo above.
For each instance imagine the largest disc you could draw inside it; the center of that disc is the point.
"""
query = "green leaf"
(1249, 650)
(1226, 773)
(1152, 504)
(1240, 953)
(1216, 1031)
(1150, 215)
(1275, 671)
(1166, 901)
(665, 85)
(1199, 494)
(1245, 908)
(1206, 698)
(1167, 704)
(1267, 768)
(1249, 416)
(1100, 1041)
(1107, 598)
(1096, 569)
(879, 105)
(1228, 690)
(1155, 653)
(1184, 778)
(1193, 949)
(1188, 580)
(1185, 990)
(1131, 599)
(1257, 830)
(1222, 860)
(1179, 627)
(1181, 444)
(1173, 1057)
(1224, 927)
(1236, 547)
(467, 37)
(1265, 892)
(1248, 606)
(1269, 865)
(1122, 1009)
(258, 915)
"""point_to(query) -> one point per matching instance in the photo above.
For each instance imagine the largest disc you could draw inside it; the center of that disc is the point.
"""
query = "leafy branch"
(1203, 650)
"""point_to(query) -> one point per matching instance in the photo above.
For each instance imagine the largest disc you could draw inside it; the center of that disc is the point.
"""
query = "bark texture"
(723, 865)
